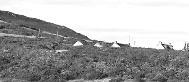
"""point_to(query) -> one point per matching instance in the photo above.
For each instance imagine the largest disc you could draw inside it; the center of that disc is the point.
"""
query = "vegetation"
(40, 64)
(35, 59)
(35, 24)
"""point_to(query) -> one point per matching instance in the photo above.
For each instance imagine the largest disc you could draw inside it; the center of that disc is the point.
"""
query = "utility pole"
(129, 40)
(57, 37)
(134, 42)
(39, 33)
(185, 46)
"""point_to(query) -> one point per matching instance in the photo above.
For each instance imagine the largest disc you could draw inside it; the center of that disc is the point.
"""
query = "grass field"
(35, 60)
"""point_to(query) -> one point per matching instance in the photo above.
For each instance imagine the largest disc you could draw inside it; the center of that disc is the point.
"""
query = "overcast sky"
(146, 21)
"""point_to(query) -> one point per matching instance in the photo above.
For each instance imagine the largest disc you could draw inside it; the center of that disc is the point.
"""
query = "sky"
(143, 23)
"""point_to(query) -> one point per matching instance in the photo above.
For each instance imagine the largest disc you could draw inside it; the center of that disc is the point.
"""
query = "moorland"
(34, 59)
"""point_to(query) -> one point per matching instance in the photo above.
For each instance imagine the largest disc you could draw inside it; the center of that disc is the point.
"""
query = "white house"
(78, 43)
(98, 45)
(115, 45)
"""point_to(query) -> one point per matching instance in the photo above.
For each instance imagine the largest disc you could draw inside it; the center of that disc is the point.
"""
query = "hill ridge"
(35, 23)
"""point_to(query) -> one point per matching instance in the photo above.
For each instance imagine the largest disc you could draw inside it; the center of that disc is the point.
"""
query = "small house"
(115, 45)
(98, 45)
(78, 43)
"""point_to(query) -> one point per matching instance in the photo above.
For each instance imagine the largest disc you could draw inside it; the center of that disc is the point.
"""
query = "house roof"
(84, 42)
(98, 45)
(78, 43)
(115, 45)
(104, 44)
(124, 45)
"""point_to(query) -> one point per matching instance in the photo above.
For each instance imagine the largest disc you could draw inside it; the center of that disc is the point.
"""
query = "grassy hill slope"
(37, 24)
(33, 60)
(25, 59)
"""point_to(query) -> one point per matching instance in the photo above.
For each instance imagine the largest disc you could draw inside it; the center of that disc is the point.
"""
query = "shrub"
(92, 74)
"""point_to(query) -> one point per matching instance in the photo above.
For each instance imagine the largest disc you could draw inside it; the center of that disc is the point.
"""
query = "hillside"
(34, 60)
(25, 58)
(16, 20)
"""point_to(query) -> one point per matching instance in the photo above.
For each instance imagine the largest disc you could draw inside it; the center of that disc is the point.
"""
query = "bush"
(4, 61)
(92, 75)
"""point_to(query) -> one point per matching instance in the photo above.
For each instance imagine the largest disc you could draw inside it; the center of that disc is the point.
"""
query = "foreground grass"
(40, 63)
